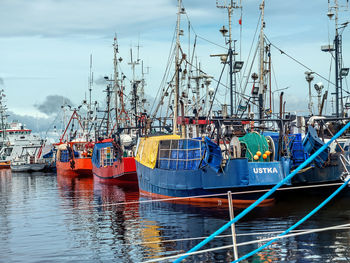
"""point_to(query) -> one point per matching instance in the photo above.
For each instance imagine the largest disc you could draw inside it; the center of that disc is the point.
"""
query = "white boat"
(27, 158)
(18, 145)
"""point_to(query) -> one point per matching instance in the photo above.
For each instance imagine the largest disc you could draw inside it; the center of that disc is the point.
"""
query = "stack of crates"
(297, 149)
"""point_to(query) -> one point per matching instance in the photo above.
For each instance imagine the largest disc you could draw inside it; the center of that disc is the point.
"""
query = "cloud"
(34, 123)
(1, 82)
(49, 18)
(52, 104)
(100, 81)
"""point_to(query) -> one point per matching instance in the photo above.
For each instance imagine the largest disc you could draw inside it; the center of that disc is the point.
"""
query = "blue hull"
(315, 175)
(238, 175)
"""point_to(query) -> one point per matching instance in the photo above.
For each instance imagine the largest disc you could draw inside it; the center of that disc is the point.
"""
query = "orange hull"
(82, 166)
(5, 164)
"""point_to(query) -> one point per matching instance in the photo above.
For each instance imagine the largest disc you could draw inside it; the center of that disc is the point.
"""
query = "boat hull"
(36, 167)
(238, 176)
(121, 172)
(5, 165)
(82, 166)
(313, 174)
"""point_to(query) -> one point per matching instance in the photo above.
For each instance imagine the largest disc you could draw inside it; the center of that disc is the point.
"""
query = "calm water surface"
(49, 218)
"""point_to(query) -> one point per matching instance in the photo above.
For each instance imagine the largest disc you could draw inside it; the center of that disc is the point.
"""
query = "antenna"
(116, 85)
(232, 53)
(90, 86)
(339, 28)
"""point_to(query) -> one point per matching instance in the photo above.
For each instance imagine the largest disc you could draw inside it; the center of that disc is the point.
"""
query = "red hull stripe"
(210, 200)
(118, 176)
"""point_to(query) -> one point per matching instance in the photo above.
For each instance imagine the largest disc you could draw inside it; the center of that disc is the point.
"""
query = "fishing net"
(254, 143)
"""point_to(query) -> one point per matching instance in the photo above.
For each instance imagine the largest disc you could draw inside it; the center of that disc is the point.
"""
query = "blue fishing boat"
(190, 162)
(325, 169)
(171, 166)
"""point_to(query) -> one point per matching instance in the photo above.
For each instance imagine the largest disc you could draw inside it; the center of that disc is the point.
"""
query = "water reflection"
(76, 190)
(44, 217)
(5, 197)
(119, 207)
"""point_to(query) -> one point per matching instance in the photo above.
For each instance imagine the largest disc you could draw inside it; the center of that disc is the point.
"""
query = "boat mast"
(261, 63)
(108, 90)
(339, 71)
(91, 79)
(115, 83)
(3, 117)
(177, 79)
(231, 53)
(229, 9)
(135, 82)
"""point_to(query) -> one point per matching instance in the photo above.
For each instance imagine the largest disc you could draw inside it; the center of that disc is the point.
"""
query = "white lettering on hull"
(265, 170)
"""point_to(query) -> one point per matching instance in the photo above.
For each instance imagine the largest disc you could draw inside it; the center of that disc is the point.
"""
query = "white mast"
(261, 62)
(116, 78)
(176, 92)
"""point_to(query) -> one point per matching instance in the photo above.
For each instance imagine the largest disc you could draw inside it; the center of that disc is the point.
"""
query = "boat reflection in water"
(96, 222)
(78, 190)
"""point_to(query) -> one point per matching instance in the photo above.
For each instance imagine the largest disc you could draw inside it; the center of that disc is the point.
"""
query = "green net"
(255, 143)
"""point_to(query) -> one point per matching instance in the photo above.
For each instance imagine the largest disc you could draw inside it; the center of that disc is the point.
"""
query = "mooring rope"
(266, 195)
(297, 223)
(346, 226)
(300, 232)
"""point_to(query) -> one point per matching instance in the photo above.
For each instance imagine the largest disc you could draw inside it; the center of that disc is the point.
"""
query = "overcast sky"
(45, 45)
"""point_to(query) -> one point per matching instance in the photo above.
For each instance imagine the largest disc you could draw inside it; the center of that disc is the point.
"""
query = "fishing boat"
(178, 165)
(74, 158)
(27, 158)
(310, 133)
(74, 152)
(111, 166)
(113, 157)
(5, 164)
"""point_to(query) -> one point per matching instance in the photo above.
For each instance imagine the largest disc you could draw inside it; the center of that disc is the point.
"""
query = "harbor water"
(49, 218)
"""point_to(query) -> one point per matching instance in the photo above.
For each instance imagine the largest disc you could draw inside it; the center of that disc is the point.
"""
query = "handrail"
(266, 195)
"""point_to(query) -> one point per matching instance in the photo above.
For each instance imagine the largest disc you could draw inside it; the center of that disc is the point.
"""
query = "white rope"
(250, 242)
(220, 236)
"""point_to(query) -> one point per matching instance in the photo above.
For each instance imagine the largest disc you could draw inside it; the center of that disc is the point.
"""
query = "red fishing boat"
(74, 153)
(113, 156)
(5, 164)
(110, 164)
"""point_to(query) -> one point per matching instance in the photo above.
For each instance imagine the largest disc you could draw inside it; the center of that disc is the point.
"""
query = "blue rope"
(263, 197)
(296, 224)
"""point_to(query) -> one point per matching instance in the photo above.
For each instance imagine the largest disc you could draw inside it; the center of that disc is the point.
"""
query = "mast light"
(327, 48)
(330, 15)
(237, 66)
(223, 31)
(344, 72)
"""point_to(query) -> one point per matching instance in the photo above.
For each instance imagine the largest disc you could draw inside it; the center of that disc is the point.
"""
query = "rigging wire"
(329, 76)
(170, 59)
(297, 61)
(198, 36)
(250, 51)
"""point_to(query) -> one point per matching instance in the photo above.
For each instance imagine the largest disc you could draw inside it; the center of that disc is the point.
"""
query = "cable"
(298, 232)
(297, 223)
(297, 61)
